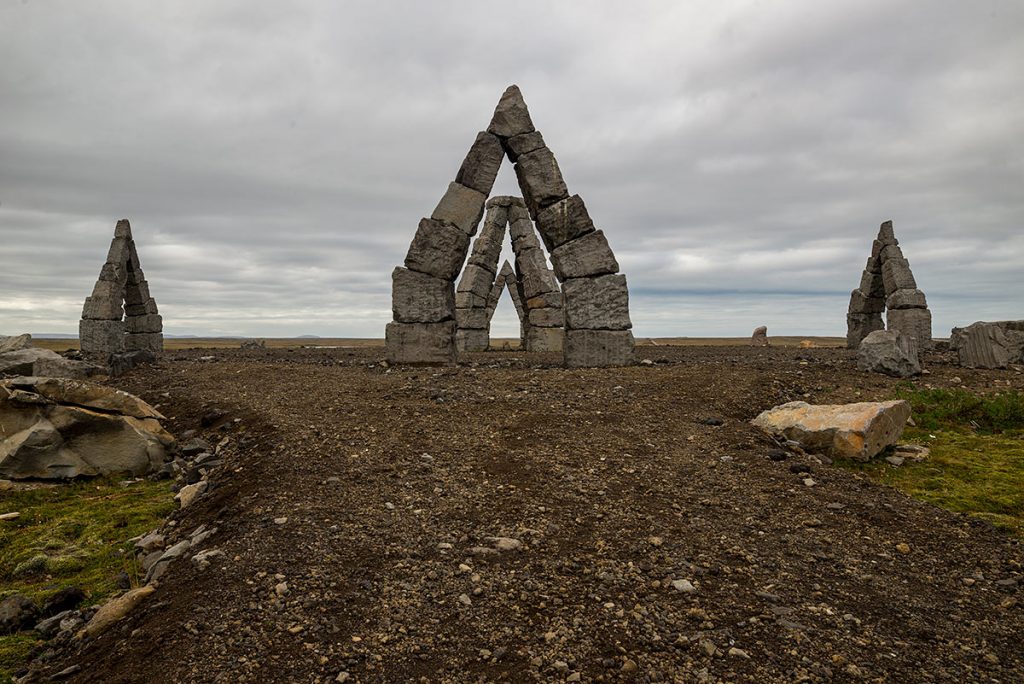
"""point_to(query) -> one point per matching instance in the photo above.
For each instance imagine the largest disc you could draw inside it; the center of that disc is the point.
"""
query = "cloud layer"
(274, 160)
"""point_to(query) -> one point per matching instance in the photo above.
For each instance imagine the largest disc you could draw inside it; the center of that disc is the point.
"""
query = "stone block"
(136, 293)
(438, 249)
(983, 345)
(119, 250)
(102, 308)
(915, 323)
(101, 337)
(481, 165)
(472, 319)
(146, 323)
(861, 304)
(153, 342)
(896, 275)
(759, 338)
(518, 145)
(563, 221)
(472, 340)
(462, 207)
(540, 179)
(600, 303)
(889, 352)
(588, 255)
(503, 201)
(149, 307)
(547, 318)
(886, 235)
(876, 252)
(517, 211)
(545, 300)
(598, 348)
(511, 117)
(420, 343)
(543, 339)
(907, 299)
(113, 273)
(477, 280)
(872, 285)
(421, 298)
(469, 300)
(890, 252)
(487, 250)
(860, 325)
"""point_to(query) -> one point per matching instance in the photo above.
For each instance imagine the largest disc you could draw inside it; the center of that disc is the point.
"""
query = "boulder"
(858, 431)
(17, 612)
(860, 325)
(1013, 338)
(760, 337)
(57, 428)
(113, 610)
(43, 362)
(15, 342)
(889, 352)
(983, 345)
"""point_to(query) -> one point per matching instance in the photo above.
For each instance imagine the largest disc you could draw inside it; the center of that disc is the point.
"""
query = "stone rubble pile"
(989, 345)
(595, 300)
(120, 315)
(887, 285)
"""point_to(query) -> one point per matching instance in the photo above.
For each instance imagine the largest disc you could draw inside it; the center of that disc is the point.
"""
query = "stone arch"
(887, 285)
(120, 315)
(595, 298)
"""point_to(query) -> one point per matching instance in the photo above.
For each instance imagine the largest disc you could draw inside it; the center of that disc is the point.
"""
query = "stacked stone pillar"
(479, 280)
(120, 315)
(542, 316)
(888, 285)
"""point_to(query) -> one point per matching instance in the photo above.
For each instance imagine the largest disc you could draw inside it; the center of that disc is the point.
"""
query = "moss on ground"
(976, 465)
(75, 534)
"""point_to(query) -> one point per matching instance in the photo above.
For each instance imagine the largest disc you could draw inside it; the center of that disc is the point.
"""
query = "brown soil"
(389, 478)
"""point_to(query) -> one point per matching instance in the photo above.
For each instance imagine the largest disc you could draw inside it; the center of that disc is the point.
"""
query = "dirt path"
(396, 482)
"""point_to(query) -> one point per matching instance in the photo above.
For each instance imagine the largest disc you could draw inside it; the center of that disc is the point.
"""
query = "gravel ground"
(513, 520)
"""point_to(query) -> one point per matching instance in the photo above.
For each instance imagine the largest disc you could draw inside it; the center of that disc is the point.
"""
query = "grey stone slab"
(101, 337)
(759, 338)
(535, 275)
(524, 237)
(421, 298)
(119, 251)
(600, 303)
(495, 295)
(872, 284)
(102, 308)
(861, 304)
(472, 340)
(487, 246)
(876, 253)
(504, 201)
(890, 252)
(518, 145)
(896, 275)
(547, 318)
(552, 300)
(123, 229)
(860, 325)
(564, 221)
(438, 249)
(477, 280)
(518, 211)
(148, 307)
(907, 299)
(983, 345)
(146, 323)
(915, 323)
(113, 273)
(462, 207)
(420, 343)
(889, 352)
(544, 339)
(598, 348)
(136, 293)
(886, 235)
(153, 342)
(588, 255)
(475, 319)
(469, 300)
(540, 179)
(480, 167)
(511, 116)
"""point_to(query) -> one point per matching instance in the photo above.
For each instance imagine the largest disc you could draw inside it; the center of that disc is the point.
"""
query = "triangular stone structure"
(120, 315)
(537, 295)
(594, 296)
(887, 285)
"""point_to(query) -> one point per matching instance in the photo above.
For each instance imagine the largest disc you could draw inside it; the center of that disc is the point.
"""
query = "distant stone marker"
(594, 298)
(760, 337)
(887, 285)
(120, 315)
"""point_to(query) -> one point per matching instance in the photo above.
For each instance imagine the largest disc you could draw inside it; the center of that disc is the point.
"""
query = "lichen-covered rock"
(858, 431)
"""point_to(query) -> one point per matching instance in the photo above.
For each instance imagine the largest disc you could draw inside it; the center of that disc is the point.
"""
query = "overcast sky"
(274, 158)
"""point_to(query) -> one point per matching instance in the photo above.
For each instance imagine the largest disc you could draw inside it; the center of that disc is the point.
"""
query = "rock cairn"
(594, 295)
(887, 285)
(989, 345)
(120, 315)
(760, 337)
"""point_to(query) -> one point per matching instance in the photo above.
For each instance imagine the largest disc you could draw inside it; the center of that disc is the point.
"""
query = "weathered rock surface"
(858, 431)
(17, 612)
(563, 221)
(15, 343)
(595, 348)
(43, 362)
(462, 207)
(438, 249)
(540, 179)
(114, 610)
(859, 326)
(600, 303)
(481, 165)
(588, 255)
(982, 345)
(420, 342)
(760, 337)
(906, 299)
(57, 428)
(889, 352)
(421, 298)
(544, 339)
(511, 117)
(914, 323)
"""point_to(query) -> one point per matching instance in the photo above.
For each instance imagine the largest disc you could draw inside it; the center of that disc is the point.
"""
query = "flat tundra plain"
(512, 520)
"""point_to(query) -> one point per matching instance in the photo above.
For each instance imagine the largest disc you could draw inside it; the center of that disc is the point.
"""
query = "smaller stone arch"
(887, 285)
(120, 315)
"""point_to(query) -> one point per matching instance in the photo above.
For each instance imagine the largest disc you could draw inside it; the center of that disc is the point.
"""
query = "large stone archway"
(595, 298)
(887, 285)
(120, 315)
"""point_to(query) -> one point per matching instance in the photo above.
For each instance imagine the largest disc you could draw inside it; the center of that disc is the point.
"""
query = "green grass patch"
(74, 534)
(976, 465)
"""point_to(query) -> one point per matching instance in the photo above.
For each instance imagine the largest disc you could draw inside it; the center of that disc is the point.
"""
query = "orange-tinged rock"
(858, 431)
